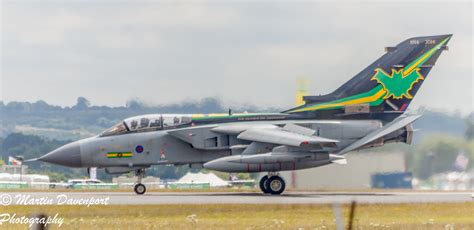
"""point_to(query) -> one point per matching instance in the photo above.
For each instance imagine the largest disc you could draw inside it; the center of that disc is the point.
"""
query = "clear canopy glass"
(149, 123)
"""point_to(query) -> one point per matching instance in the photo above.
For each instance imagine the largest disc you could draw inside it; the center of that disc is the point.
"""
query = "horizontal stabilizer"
(396, 124)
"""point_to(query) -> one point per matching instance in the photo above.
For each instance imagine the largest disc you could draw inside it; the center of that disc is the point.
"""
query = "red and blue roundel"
(139, 149)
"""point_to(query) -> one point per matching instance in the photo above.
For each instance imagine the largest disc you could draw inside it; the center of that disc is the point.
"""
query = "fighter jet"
(367, 111)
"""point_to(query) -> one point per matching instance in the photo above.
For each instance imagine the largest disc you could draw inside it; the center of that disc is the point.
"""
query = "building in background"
(356, 174)
(447, 181)
(14, 169)
(209, 178)
(17, 177)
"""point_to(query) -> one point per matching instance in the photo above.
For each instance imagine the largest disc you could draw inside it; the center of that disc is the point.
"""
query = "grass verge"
(251, 216)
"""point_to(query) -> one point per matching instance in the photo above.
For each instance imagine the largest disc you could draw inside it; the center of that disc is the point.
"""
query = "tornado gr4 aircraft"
(365, 112)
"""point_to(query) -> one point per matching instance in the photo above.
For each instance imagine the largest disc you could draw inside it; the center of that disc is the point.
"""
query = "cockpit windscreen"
(117, 129)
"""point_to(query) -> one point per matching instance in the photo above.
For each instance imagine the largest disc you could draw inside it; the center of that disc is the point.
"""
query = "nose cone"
(67, 155)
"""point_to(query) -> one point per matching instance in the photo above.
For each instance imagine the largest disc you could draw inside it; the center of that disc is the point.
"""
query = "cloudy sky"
(169, 51)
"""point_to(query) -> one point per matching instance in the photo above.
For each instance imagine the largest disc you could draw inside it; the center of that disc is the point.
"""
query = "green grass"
(250, 216)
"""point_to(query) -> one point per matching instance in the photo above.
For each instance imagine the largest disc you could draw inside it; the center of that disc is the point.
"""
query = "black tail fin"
(388, 84)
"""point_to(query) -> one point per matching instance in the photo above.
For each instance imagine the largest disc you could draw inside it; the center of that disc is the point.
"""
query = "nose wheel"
(139, 188)
(272, 184)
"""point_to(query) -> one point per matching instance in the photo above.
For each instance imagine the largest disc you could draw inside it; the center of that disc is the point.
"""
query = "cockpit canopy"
(147, 123)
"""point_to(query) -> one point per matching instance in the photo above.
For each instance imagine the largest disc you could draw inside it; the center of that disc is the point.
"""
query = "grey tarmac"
(154, 198)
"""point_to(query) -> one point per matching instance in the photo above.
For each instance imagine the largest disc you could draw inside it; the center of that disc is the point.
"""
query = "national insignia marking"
(139, 149)
(397, 85)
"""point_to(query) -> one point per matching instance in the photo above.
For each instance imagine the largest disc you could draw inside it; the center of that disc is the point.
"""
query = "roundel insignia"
(139, 149)
(119, 155)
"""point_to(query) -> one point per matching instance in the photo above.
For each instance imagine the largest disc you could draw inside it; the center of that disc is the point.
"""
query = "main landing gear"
(139, 188)
(272, 184)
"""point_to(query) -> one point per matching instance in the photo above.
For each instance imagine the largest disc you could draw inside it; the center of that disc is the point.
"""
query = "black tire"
(139, 189)
(262, 184)
(275, 185)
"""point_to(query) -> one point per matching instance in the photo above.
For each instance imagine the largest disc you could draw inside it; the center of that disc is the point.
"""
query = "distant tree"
(40, 106)
(82, 103)
(18, 139)
(18, 106)
(437, 154)
(135, 104)
(470, 127)
(211, 104)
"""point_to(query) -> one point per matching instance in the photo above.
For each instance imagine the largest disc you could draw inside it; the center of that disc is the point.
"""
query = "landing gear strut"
(272, 184)
(139, 188)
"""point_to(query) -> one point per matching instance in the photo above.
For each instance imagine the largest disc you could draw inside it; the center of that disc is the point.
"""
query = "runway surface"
(126, 198)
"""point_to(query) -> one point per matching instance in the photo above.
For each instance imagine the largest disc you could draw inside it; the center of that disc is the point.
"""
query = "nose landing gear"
(139, 188)
(272, 184)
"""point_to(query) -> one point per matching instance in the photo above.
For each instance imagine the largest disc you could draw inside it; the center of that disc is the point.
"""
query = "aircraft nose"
(67, 155)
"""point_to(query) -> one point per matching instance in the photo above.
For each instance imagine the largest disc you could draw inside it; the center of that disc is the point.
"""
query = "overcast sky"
(168, 51)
